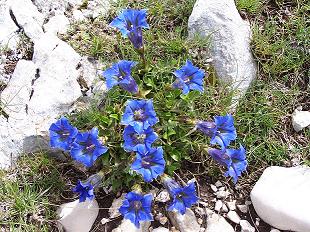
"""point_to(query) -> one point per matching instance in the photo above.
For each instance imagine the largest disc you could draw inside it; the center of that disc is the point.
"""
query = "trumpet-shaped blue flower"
(86, 190)
(239, 163)
(182, 197)
(87, 147)
(140, 114)
(62, 134)
(138, 138)
(189, 77)
(233, 159)
(130, 22)
(222, 131)
(120, 74)
(137, 208)
(149, 164)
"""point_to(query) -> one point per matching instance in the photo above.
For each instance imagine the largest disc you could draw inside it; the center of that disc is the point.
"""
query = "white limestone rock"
(127, 226)
(300, 119)
(230, 41)
(233, 216)
(246, 226)
(163, 196)
(39, 92)
(57, 24)
(96, 8)
(116, 204)
(78, 217)
(280, 198)
(78, 16)
(184, 223)
(160, 229)
(8, 36)
(28, 17)
(217, 223)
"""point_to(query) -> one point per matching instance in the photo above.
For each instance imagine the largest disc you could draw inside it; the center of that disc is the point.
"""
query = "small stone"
(224, 208)
(184, 223)
(300, 119)
(204, 204)
(104, 220)
(246, 226)
(233, 216)
(77, 15)
(222, 194)
(160, 229)
(222, 188)
(218, 206)
(200, 221)
(127, 226)
(231, 205)
(213, 187)
(202, 229)
(173, 229)
(163, 196)
(83, 212)
(116, 204)
(243, 208)
(257, 221)
(218, 184)
(274, 230)
(248, 203)
(200, 211)
(217, 223)
(163, 220)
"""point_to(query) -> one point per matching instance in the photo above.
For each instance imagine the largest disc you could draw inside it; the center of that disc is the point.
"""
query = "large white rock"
(28, 17)
(281, 198)
(8, 29)
(128, 226)
(57, 24)
(217, 223)
(78, 217)
(300, 119)
(39, 92)
(184, 223)
(230, 41)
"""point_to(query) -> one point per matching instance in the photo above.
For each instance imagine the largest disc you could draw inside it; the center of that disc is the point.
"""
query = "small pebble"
(213, 187)
(243, 208)
(202, 229)
(200, 211)
(163, 196)
(200, 221)
(218, 184)
(231, 205)
(274, 230)
(104, 220)
(257, 221)
(218, 206)
(222, 194)
(248, 202)
(246, 226)
(163, 220)
(204, 204)
(224, 208)
(233, 216)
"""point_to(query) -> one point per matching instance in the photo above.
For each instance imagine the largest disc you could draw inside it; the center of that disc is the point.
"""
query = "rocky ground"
(43, 77)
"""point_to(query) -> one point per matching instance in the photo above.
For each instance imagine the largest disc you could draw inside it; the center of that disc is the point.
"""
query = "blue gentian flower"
(137, 208)
(149, 164)
(226, 131)
(140, 114)
(138, 138)
(87, 147)
(86, 190)
(189, 77)
(233, 159)
(130, 22)
(182, 197)
(222, 131)
(62, 134)
(120, 74)
(239, 162)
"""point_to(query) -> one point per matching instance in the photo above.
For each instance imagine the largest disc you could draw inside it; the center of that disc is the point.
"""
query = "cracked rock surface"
(44, 86)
